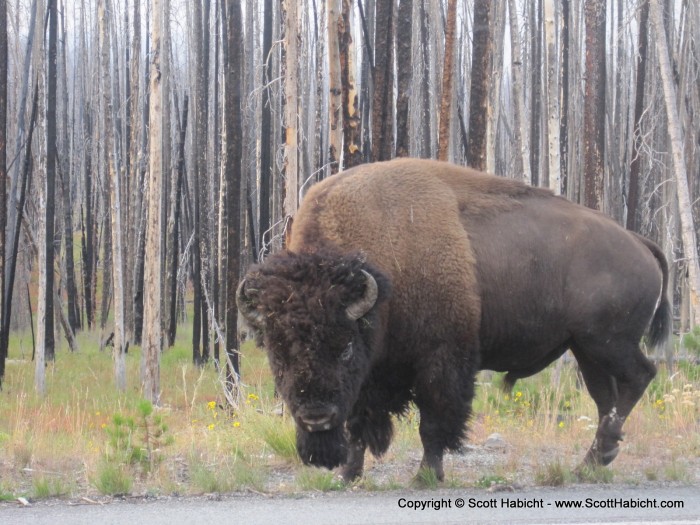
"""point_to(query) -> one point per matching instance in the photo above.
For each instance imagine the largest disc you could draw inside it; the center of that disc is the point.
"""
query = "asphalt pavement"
(583, 504)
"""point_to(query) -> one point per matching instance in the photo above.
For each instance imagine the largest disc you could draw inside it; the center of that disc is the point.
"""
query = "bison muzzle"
(401, 280)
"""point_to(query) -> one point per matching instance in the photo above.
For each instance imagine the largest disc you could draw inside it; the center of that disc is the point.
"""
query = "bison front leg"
(444, 392)
(355, 464)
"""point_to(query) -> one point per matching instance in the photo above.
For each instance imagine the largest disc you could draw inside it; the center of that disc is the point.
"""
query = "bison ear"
(246, 300)
(365, 303)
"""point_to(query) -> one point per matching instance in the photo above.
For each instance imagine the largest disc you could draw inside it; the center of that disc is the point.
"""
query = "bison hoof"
(349, 473)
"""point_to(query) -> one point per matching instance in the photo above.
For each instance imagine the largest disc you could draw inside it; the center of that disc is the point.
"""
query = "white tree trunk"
(39, 351)
(499, 26)
(552, 91)
(291, 110)
(115, 211)
(521, 135)
(676, 138)
(152, 336)
(335, 98)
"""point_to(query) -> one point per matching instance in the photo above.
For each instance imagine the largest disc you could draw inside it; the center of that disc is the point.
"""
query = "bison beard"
(328, 448)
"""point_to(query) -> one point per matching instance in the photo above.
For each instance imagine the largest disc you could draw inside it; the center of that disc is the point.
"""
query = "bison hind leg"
(615, 384)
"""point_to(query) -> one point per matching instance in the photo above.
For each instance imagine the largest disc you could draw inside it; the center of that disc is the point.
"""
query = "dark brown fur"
(484, 272)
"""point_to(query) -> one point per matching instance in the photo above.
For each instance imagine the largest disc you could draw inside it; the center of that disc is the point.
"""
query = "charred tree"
(266, 134)
(536, 96)
(404, 67)
(594, 104)
(480, 78)
(635, 167)
(48, 344)
(174, 225)
(382, 131)
(232, 167)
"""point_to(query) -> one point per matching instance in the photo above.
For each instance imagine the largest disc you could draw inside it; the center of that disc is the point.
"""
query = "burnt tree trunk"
(51, 160)
(536, 97)
(383, 81)
(234, 153)
(266, 133)
(479, 92)
(636, 166)
(404, 66)
(594, 104)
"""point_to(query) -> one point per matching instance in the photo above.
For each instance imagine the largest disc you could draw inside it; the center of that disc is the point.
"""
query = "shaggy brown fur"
(485, 272)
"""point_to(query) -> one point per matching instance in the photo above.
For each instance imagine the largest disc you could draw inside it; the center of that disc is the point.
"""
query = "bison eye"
(347, 353)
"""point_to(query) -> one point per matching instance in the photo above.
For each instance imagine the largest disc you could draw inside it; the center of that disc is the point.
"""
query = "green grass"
(50, 487)
(313, 479)
(113, 480)
(554, 474)
(280, 436)
(426, 478)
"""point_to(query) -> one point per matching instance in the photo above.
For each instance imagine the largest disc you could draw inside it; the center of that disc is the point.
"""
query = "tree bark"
(3, 180)
(635, 167)
(48, 343)
(553, 110)
(480, 78)
(72, 297)
(522, 161)
(335, 98)
(426, 138)
(404, 67)
(174, 226)
(352, 152)
(115, 203)
(151, 340)
(232, 167)
(564, 106)
(447, 75)
(594, 104)
(200, 332)
(675, 135)
(291, 109)
(23, 189)
(497, 27)
(536, 96)
(133, 168)
(266, 134)
(383, 81)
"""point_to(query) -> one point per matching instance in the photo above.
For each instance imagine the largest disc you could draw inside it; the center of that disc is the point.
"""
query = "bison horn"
(246, 307)
(363, 305)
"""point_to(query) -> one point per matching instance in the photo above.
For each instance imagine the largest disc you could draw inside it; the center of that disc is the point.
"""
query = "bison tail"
(662, 322)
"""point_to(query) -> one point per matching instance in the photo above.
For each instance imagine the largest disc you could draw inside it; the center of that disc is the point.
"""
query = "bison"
(402, 279)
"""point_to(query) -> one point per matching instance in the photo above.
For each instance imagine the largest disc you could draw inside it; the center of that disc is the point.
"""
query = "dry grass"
(59, 445)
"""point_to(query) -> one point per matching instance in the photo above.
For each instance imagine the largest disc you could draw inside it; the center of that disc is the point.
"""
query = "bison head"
(317, 316)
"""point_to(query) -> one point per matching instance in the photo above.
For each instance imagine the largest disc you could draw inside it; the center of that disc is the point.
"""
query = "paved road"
(538, 505)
